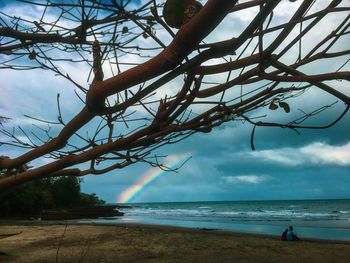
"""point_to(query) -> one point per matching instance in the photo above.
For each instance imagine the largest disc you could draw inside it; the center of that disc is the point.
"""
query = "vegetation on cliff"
(35, 197)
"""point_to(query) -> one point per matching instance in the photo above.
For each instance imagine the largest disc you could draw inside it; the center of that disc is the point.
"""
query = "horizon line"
(259, 200)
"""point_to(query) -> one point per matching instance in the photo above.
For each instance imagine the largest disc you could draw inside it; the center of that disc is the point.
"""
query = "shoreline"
(218, 231)
(9, 223)
(129, 242)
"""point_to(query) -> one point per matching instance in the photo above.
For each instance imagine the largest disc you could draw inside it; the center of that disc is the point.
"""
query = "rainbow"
(149, 177)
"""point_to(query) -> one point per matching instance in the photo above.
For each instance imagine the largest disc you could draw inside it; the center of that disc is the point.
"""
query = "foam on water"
(328, 219)
(205, 211)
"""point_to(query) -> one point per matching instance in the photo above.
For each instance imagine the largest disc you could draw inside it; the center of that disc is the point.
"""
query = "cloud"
(286, 156)
(324, 153)
(315, 153)
(28, 12)
(249, 179)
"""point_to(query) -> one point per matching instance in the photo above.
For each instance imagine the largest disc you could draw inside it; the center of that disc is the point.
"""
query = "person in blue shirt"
(291, 235)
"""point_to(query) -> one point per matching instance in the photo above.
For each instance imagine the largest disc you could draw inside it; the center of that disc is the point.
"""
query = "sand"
(142, 243)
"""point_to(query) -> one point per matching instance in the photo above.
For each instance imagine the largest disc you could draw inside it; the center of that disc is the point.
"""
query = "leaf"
(125, 30)
(32, 55)
(205, 129)
(150, 22)
(39, 26)
(145, 35)
(285, 106)
(273, 106)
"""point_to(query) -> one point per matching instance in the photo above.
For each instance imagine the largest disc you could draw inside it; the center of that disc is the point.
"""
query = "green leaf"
(273, 106)
(285, 106)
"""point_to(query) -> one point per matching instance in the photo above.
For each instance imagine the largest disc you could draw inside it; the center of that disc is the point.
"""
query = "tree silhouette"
(167, 84)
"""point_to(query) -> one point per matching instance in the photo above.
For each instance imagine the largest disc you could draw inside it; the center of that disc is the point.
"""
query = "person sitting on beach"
(284, 235)
(291, 235)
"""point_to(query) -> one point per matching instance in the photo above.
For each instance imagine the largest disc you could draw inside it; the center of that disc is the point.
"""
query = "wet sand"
(144, 243)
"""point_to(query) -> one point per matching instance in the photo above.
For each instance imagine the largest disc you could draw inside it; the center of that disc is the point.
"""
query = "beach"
(43, 242)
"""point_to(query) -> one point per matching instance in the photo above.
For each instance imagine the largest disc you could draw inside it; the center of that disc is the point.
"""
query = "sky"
(220, 165)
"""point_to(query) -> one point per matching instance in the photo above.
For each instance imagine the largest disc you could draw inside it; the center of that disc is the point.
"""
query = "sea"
(319, 219)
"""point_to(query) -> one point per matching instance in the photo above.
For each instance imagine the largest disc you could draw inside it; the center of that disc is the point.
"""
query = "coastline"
(129, 242)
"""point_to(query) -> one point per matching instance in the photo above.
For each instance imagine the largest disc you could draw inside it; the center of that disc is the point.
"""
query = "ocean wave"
(344, 212)
(169, 212)
(208, 212)
(273, 213)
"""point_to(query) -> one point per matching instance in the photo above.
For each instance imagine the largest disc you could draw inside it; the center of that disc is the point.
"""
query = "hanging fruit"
(178, 12)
